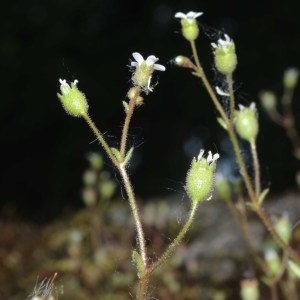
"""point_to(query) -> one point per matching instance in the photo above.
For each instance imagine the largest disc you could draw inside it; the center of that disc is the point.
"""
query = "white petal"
(138, 57)
(200, 154)
(214, 45)
(63, 82)
(198, 14)
(215, 156)
(252, 106)
(227, 38)
(75, 81)
(159, 67)
(193, 15)
(133, 63)
(180, 15)
(151, 60)
(209, 157)
(221, 92)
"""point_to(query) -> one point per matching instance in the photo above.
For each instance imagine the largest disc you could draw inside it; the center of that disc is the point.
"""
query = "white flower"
(210, 158)
(151, 60)
(252, 106)
(190, 16)
(221, 92)
(64, 86)
(144, 69)
(223, 44)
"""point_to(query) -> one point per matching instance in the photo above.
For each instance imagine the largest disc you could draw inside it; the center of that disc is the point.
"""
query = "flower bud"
(283, 227)
(96, 160)
(223, 187)
(249, 289)
(73, 100)
(90, 177)
(290, 78)
(246, 123)
(89, 196)
(225, 56)
(268, 100)
(273, 261)
(184, 62)
(200, 177)
(189, 26)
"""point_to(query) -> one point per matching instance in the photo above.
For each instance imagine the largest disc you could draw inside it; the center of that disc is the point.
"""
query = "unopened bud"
(273, 261)
(184, 62)
(246, 122)
(290, 78)
(96, 160)
(268, 100)
(283, 227)
(223, 187)
(249, 289)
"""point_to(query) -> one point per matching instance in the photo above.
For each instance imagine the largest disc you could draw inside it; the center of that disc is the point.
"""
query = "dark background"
(43, 149)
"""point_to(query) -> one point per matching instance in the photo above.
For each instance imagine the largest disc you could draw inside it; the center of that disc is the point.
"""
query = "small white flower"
(223, 44)
(151, 60)
(221, 92)
(210, 158)
(190, 16)
(64, 86)
(144, 69)
(252, 106)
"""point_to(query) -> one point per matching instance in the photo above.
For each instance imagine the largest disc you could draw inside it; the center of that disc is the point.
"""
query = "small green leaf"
(251, 206)
(138, 261)
(128, 156)
(222, 123)
(263, 195)
(197, 74)
(116, 153)
(295, 268)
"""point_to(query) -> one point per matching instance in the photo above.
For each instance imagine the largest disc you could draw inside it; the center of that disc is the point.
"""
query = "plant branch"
(177, 241)
(233, 137)
(129, 113)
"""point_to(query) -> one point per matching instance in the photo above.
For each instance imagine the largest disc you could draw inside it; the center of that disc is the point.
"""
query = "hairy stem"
(129, 114)
(100, 138)
(177, 241)
(256, 167)
(231, 96)
(131, 198)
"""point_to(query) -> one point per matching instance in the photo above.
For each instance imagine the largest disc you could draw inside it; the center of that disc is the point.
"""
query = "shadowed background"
(43, 149)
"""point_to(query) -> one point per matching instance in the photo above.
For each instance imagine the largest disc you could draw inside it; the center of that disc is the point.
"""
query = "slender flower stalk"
(256, 167)
(231, 96)
(133, 95)
(177, 241)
